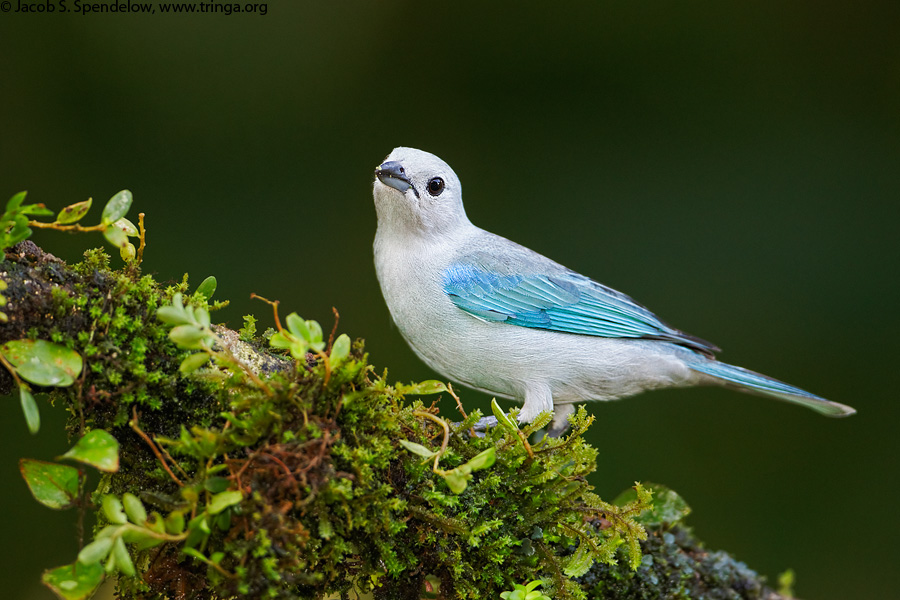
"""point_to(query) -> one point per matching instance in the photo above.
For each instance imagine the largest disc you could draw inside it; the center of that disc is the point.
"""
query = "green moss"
(330, 501)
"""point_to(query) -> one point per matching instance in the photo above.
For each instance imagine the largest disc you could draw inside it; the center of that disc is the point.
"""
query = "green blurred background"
(734, 167)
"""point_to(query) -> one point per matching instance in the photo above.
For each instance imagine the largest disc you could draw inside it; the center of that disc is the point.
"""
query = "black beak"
(393, 175)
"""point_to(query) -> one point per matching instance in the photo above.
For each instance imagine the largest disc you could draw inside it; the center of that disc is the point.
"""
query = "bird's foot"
(557, 429)
(481, 425)
(560, 423)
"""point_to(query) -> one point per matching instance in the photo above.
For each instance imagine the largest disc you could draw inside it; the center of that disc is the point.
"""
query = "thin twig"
(143, 243)
(525, 443)
(174, 462)
(280, 462)
(219, 568)
(59, 227)
(134, 425)
(274, 304)
(327, 361)
(459, 407)
(446, 441)
(337, 318)
(82, 510)
(12, 370)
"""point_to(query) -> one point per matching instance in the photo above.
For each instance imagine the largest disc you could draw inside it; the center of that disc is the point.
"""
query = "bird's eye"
(435, 186)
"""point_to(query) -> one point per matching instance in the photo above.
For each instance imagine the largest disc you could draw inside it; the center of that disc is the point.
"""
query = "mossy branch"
(292, 481)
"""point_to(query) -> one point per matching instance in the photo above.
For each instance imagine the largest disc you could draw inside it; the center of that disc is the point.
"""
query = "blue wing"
(565, 302)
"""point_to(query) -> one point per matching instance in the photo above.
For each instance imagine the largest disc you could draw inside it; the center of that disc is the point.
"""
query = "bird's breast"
(410, 277)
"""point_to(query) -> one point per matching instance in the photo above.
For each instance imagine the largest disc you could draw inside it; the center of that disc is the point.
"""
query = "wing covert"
(564, 302)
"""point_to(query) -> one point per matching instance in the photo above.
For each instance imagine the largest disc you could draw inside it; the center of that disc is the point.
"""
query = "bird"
(498, 317)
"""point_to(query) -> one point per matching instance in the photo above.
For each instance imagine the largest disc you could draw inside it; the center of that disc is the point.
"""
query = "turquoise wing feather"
(564, 302)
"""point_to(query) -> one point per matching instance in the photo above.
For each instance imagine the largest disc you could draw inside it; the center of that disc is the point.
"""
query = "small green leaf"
(298, 327)
(113, 510)
(423, 388)
(74, 212)
(43, 363)
(134, 508)
(197, 531)
(155, 523)
(115, 236)
(123, 559)
(98, 449)
(283, 340)
(208, 287)
(150, 542)
(190, 337)
(173, 315)
(175, 522)
(140, 537)
(456, 481)
(30, 408)
(458, 478)
(502, 418)
(193, 362)
(202, 316)
(315, 335)
(127, 227)
(200, 523)
(134, 535)
(51, 484)
(108, 531)
(16, 201)
(37, 210)
(74, 582)
(340, 350)
(223, 500)
(525, 592)
(417, 449)
(127, 252)
(195, 553)
(483, 460)
(19, 232)
(110, 566)
(216, 485)
(223, 520)
(96, 551)
(116, 208)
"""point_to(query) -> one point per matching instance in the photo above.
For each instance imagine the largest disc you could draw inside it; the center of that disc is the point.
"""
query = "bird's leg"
(560, 423)
(538, 398)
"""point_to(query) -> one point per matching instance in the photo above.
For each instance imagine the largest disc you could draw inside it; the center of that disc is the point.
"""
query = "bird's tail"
(749, 381)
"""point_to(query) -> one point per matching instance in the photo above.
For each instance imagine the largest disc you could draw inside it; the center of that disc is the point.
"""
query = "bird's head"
(417, 192)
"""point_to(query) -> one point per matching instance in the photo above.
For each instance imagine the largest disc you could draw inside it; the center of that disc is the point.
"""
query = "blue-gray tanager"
(500, 318)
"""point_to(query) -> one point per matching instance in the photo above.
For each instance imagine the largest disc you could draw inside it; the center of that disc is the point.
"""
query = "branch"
(303, 488)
